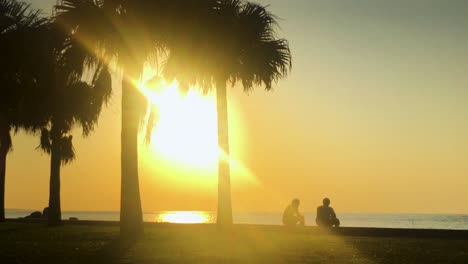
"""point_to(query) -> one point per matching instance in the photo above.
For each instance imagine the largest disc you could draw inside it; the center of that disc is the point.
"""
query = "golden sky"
(374, 116)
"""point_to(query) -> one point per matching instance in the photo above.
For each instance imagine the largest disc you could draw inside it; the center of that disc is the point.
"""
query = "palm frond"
(45, 143)
(257, 21)
(102, 84)
(151, 123)
(239, 44)
(16, 15)
(264, 64)
(67, 151)
(20, 27)
(5, 139)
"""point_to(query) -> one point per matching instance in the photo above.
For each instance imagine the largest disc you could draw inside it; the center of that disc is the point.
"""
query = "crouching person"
(291, 215)
(326, 216)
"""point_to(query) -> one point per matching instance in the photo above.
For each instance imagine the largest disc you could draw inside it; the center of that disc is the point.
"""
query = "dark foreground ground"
(162, 243)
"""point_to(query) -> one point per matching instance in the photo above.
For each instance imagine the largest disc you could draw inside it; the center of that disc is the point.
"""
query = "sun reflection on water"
(185, 217)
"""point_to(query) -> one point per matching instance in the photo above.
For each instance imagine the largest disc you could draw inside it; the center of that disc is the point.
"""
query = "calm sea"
(425, 221)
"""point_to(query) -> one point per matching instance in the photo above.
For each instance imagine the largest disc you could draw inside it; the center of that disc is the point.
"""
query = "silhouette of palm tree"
(18, 24)
(129, 33)
(66, 101)
(106, 32)
(237, 43)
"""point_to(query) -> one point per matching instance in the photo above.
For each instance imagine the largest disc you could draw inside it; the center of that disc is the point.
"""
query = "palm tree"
(71, 104)
(18, 27)
(109, 30)
(241, 47)
(69, 100)
(131, 33)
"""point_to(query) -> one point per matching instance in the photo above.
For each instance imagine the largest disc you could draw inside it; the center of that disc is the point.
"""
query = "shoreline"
(312, 230)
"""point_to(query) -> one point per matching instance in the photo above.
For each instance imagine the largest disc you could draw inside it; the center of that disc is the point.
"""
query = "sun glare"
(184, 217)
(185, 134)
(186, 129)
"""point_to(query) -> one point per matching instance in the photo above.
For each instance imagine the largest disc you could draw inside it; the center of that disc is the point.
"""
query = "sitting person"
(291, 216)
(326, 216)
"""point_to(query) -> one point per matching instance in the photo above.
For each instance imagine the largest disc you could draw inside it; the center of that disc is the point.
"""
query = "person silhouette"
(291, 215)
(326, 216)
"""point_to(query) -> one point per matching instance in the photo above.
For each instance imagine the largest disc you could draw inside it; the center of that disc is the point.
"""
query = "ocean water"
(424, 221)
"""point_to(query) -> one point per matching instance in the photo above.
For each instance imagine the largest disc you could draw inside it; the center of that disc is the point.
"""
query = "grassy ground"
(35, 243)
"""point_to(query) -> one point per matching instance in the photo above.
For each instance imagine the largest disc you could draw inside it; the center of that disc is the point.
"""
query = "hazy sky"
(374, 115)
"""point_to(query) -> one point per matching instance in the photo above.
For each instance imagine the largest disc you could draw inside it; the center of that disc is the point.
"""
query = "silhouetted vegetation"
(118, 31)
(18, 29)
(204, 42)
(44, 91)
(70, 102)
(235, 43)
(208, 42)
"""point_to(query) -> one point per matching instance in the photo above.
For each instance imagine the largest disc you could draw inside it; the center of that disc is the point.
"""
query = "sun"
(184, 142)
(186, 127)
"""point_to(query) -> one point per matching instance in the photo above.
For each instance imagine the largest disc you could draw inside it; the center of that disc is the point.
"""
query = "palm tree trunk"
(131, 218)
(55, 212)
(224, 179)
(5, 144)
(3, 156)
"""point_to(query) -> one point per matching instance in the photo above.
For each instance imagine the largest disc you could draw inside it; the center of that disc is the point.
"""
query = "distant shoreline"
(242, 212)
(395, 221)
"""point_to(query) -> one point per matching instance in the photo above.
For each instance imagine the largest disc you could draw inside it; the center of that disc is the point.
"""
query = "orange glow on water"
(184, 217)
